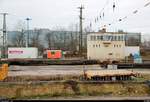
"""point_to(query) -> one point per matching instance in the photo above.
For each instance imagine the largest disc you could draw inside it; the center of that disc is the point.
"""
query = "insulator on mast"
(114, 6)
(103, 14)
(90, 24)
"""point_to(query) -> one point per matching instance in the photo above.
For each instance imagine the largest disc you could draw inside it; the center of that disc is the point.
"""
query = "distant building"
(112, 46)
(1, 39)
(1, 42)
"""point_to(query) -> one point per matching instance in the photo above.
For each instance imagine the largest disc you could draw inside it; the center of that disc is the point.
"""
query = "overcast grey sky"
(52, 13)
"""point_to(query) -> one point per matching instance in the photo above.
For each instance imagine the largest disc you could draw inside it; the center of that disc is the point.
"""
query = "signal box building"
(110, 46)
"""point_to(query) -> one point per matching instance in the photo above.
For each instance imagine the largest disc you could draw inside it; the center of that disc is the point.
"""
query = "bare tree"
(35, 41)
(19, 39)
(74, 37)
(146, 44)
(48, 38)
(20, 26)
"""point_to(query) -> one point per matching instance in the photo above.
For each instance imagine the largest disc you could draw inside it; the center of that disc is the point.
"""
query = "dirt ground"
(49, 70)
(59, 70)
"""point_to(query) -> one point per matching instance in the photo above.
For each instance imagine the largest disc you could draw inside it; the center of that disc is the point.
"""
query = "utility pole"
(72, 40)
(65, 47)
(77, 38)
(4, 49)
(27, 37)
(81, 29)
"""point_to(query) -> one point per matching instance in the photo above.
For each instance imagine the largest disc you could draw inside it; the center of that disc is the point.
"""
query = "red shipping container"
(54, 54)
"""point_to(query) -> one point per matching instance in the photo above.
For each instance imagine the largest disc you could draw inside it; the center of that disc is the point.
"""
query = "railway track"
(45, 62)
(28, 62)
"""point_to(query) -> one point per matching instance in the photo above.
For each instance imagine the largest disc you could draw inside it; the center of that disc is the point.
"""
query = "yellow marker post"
(3, 72)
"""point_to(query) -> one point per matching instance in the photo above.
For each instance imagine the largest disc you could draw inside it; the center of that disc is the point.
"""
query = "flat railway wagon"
(109, 75)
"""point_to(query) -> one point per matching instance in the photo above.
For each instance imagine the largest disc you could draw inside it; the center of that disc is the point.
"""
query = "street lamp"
(27, 37)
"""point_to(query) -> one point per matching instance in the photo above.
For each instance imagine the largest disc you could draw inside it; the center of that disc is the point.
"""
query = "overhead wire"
(100, 16)
(132, 13)
(120, 19)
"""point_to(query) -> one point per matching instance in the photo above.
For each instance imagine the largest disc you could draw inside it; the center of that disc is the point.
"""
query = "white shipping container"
(30, 52)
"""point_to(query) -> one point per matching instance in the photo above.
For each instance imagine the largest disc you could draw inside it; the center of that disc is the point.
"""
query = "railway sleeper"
(111, 78)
